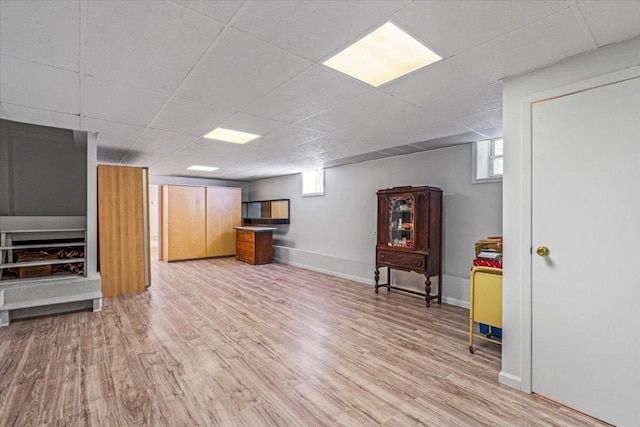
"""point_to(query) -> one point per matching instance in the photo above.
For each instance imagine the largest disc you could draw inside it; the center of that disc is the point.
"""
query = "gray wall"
(43, 171)
(335, 233)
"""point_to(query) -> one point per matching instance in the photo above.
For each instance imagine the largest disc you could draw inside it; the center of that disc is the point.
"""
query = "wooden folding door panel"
(184, 221)
(121, 229)
(223, 213)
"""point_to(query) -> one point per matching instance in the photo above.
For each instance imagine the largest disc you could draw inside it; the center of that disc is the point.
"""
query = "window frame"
(302, 179)
(483, 153)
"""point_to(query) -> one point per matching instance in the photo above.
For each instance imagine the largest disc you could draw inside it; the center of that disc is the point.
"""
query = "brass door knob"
(543, 251)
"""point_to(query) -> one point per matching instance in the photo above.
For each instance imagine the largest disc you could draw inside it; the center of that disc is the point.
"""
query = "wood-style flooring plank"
(222, 343)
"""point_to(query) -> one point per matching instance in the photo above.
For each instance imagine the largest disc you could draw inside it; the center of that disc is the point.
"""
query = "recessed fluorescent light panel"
(202, 168)
(384, 55)
(228, 135)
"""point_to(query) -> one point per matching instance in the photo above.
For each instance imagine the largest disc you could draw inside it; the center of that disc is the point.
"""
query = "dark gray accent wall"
(43, 171)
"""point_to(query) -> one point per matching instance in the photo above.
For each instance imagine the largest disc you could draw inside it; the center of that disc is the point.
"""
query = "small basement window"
(488, 160)
(313, 183)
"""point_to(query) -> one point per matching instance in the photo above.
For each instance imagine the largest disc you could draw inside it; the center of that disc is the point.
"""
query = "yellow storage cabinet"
(486, 300)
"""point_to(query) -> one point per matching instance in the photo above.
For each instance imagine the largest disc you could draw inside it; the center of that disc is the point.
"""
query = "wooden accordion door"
(123, 235)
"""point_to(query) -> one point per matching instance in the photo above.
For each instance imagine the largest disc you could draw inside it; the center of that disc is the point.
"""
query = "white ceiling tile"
(239, 70)
(540, 44)
(221, 11)
(470, 102)
(288, 136)
(149, 44)
(394, 137)
(483, 120)
(36, 116)
(397, 116)
(310, 92)
(251, 124)
(193, 118)
(369, 107)
(158, 141)
(46, 32)
(154, 145)
(39, 86)
(543, 43)
(324, 144)
(314, 29)
(451, 27)
(108, 100)
(464, 72)
(612, 21)
(112, 134)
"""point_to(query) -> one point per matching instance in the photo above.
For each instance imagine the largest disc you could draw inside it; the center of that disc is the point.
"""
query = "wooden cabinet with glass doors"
(410, 236)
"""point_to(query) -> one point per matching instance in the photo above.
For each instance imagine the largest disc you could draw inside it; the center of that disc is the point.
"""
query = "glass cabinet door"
(401, 212)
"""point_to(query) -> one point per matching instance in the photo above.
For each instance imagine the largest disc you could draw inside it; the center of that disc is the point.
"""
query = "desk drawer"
(245, 255)
(401, 259)
(245, 236)
(245, 246)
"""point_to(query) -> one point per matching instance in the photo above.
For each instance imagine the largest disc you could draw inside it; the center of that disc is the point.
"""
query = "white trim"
(456, 302)
(510, 380)
(526, 279)
(324, 271)
(351, 265)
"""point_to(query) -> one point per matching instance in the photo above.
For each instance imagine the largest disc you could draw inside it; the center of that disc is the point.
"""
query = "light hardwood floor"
(220, 342)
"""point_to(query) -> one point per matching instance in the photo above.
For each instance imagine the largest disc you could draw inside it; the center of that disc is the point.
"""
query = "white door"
(586, 292)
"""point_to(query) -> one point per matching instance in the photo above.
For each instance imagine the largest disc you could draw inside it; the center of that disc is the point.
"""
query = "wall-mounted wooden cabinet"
(266, 212)
(197, 222)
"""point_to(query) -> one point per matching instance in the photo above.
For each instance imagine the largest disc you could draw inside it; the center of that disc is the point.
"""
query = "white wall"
(336, 232)
(516, 354)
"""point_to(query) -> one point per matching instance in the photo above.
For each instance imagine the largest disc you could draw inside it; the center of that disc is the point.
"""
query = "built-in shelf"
(266, 212)
(44, 245)
(41, 262)
(7, 237)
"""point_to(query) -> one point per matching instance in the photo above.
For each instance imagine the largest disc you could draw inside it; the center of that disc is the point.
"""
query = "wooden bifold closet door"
(197, 222)
(123, 235)
(223, 213)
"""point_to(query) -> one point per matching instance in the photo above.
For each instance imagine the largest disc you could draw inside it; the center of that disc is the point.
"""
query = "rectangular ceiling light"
(228, 135)
(384, 55)
(202, 168)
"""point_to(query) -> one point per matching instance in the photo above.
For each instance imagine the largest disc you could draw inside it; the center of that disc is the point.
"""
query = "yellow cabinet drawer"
(486, 298)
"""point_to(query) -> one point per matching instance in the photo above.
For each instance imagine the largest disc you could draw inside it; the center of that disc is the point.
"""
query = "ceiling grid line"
(206, 51)
(153, 77)
(588, 34)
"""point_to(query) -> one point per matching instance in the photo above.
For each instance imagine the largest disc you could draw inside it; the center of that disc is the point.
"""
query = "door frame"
(525, 274)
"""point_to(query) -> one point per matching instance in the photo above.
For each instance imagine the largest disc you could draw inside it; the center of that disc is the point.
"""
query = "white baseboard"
(510, 380)
(355, 270)
(325, 271)
(456, 302)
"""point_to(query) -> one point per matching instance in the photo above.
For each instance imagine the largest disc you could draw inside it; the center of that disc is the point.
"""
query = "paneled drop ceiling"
(152, 77)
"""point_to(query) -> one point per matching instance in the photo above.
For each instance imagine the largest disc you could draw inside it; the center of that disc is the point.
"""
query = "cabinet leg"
(388, 279)
(377, 278)
(427, 289)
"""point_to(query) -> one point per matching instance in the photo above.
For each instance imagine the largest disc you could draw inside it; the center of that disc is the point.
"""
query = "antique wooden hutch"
(410, 236)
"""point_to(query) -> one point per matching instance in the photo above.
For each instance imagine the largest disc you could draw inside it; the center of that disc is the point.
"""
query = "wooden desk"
(254, 245)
